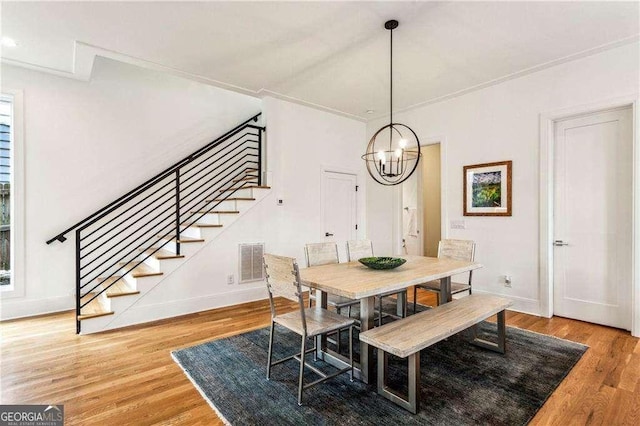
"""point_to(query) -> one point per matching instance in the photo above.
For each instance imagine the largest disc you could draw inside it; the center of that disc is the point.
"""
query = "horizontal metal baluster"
(218, 176)
(141, 231)
(130, 252)
(85, 246)
(230, 145)
(187, 224)
(222, 139)
(131, 269)
(124, 239)
(222, 148)
(136, 222)
(218, 182)
(115, 226)
(133, 202)
(204, 150)
(211, 208)
(213, 159)
(185, 197)
(212, 191)
(106, 209)
(237, 151)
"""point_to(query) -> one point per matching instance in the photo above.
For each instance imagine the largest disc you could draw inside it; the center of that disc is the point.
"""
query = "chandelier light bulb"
(9, 42)
(381, 156)
(403, 143)
(398, 153)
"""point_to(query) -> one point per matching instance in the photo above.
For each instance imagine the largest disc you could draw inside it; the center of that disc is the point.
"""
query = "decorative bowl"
(382, 262)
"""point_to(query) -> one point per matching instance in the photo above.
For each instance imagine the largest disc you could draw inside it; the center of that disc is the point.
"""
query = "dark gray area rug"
(461, 384)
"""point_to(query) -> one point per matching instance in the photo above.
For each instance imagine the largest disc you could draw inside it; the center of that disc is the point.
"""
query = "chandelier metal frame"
(392, 166)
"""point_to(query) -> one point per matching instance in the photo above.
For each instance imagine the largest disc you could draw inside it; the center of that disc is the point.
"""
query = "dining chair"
(318, 254)
(357, 249)
(450, 249)
(283, 279)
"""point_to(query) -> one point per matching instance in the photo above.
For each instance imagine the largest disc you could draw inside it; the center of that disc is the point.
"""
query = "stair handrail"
(161, 175)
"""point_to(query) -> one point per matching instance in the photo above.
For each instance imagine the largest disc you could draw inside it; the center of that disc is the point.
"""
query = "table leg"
(445, 290)
(367, 318)
(321, 340)
(401, 304)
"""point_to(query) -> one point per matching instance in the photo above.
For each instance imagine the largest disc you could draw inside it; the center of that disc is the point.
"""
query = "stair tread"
(231, 199)
(245, 178)
(141, 270)
(246, 187)
(184, 239)
(163, 254)
(120, 288)
(218, 212)
(94, 309)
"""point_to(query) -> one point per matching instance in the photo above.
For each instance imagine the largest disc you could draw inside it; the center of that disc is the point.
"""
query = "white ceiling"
(332, 54)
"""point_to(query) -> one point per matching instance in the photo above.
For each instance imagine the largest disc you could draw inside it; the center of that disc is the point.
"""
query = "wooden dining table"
(356, 281)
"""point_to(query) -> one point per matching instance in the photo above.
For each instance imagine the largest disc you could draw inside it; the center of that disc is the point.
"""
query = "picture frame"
(487, 189)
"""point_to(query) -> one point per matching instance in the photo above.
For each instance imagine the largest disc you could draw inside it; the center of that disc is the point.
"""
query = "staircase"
(128, 247)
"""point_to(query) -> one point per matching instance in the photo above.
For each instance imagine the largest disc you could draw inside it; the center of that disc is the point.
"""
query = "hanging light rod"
(394, 162)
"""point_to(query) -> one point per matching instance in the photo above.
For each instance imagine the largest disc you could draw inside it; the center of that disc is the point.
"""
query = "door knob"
(560, 243)
(327, 234)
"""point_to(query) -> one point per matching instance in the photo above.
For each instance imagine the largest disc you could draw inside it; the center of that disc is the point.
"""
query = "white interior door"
(339, 209)
(593, 218)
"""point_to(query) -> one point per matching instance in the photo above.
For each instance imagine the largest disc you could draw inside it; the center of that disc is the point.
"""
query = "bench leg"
(412, 400)
(500, 345)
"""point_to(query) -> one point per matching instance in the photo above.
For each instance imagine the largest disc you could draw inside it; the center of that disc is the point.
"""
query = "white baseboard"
(174, 308)
(13, 308)
(520, 304)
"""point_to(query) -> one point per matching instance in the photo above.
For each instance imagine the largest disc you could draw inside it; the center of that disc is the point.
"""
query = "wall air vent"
(251, 268)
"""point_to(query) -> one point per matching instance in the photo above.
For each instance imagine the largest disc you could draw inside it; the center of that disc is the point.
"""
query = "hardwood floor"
(128, 376)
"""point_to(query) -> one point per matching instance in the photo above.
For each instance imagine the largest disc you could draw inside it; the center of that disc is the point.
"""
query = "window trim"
(17, 287)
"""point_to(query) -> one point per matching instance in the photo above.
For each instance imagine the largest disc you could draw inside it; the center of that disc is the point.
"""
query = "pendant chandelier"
(393, 152)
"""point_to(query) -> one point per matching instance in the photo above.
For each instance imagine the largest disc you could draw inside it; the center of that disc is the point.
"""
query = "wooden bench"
(407, 337)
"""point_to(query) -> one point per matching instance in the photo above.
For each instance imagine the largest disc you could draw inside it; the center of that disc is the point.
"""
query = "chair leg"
(437, 298)
(315, 349)
(415, 294)
(379, 311)
(300, 380)
(270, 350)
(351, 351)
(338, 333)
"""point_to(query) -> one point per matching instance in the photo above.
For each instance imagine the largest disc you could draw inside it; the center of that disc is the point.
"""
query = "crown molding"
(84, 56)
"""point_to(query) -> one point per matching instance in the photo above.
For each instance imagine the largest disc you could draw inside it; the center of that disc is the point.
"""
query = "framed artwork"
(487, 189)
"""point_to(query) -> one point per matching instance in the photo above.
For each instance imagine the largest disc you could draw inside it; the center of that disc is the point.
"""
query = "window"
(6, 122)
(11, 195)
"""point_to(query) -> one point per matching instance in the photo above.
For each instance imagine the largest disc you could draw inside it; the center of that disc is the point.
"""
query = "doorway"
(422, 205)
(339, 209)
(592, 217)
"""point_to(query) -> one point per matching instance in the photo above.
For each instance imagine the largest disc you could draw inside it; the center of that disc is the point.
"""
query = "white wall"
(498, 123)
(87, 143)
(301, 141)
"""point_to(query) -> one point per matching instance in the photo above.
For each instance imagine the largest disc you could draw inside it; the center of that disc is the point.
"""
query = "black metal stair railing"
(119, 237)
